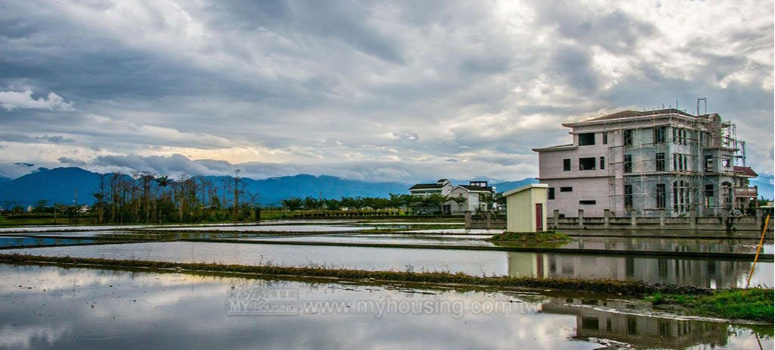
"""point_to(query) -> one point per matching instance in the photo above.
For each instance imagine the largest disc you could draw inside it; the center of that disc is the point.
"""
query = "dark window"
(627, 163)
(605, 137)
(660, 162)
(675, 135)
(661, 196)
(709, 164)
(586, 163)
(550, 194)
(628, 137)
(566, 164)
(587, 139)
(632, 325)
(602, 163)
(659, 134)
(587, 202)
(566, 189)
(628, 197)
(708, 190)
(591, 323)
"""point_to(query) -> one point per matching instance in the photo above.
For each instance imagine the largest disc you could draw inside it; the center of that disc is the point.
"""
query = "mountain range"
(66, 185)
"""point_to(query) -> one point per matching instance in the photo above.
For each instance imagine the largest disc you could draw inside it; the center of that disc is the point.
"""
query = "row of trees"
(148, 198)
(395, 201)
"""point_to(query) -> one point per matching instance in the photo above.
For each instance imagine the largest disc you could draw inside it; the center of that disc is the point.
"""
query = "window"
(725, 162)
(605, 137)
(602, 163)
(709, 196)
(566, 164)
(628, 163)
(587, 202)
(566, 189)
(550, 193)
(680, 197)
(586, 163)
(708, 164)
(660, 162)
(680, 162)
(659, 134)
(591, 323)
(628, 197)
(661, 196)
(628, 137)
(587, 139)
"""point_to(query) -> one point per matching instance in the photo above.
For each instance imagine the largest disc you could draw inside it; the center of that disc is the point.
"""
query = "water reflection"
(51, 307)
(685, 272)
(6, 242)
(593, 322)
(699, 273)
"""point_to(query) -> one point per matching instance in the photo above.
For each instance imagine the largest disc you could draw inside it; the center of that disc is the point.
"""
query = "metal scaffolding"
(680, 163)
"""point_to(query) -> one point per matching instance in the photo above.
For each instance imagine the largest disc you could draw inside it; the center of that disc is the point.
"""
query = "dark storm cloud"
(368, 90)
(574, 66)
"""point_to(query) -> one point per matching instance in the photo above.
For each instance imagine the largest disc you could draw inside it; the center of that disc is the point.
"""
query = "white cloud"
(12, 100)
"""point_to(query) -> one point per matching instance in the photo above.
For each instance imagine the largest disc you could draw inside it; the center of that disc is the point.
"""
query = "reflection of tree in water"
(688, 272)
(637, 330)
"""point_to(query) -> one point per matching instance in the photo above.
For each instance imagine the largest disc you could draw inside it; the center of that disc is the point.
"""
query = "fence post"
(556, 215)
(759, 215)
(692, 219)
(606, 214)
(581, 217)
(633, 218)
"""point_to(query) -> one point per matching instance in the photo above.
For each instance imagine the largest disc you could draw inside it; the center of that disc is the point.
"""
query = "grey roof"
(477, 188)
(630, 113)
(425, 186)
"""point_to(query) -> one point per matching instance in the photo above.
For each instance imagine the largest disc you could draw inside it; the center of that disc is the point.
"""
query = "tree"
(292, 204)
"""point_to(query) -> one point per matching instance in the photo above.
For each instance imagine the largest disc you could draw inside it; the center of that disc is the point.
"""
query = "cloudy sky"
(371, 90)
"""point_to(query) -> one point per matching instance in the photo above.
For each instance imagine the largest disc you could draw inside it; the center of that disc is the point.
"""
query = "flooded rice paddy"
(707, 273)
(53, 307)
(74, 308)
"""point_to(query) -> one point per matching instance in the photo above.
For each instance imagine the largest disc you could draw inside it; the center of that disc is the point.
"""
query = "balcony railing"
(746, 192)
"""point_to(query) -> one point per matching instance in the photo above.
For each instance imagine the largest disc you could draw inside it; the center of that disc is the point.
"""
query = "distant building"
(462, 198)
(645, 162)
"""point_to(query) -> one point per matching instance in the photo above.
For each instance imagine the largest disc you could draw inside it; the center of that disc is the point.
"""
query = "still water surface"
(713, 273)
(56, 308)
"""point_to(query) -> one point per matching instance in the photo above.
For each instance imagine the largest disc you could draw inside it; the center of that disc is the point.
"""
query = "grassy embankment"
(749, 304)
(547, 239)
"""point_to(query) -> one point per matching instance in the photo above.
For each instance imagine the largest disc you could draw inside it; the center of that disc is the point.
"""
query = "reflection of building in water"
(639, 331)
(698, 273)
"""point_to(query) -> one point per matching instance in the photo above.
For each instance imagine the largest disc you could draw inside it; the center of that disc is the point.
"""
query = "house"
(644, 162)
(460, 198)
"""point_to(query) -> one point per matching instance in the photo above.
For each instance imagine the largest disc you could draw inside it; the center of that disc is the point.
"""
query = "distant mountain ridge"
(59, 186)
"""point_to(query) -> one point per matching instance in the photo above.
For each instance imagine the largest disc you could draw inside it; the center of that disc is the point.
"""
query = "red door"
(539, 217)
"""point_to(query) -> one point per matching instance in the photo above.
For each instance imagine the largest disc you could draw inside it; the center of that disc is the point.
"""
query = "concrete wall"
(567, 203)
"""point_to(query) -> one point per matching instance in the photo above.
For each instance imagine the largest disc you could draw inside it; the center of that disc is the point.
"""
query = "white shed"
(526, 208)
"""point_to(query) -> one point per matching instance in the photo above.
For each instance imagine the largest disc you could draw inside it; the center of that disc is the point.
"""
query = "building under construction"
(643, 162)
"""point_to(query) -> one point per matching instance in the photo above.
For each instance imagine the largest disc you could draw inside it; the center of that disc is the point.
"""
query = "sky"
(366, 90)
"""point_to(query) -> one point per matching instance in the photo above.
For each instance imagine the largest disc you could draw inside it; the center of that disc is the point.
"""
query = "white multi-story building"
(461, 198)
(645, 162)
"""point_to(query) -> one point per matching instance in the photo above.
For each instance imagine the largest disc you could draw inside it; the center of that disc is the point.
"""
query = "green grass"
(750, 304)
